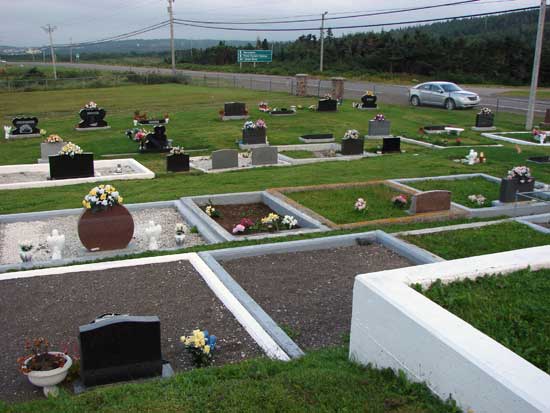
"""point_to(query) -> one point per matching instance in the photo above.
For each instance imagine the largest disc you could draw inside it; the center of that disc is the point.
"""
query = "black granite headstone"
(234, 109)
(368, 101)
(155, 141)
(120, 348)
(391, 145)
(327, 105)
(92, 118)
(25, 126)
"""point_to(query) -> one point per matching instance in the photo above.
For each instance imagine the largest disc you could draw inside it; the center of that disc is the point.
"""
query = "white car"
(445, 94)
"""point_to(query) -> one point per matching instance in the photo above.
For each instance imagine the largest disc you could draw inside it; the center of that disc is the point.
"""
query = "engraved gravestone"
(118, 348)
(156, 140)
(234, 109)
(268, 155)
(92, 118)
(431, 201)
(25, 126)
(391, 145)
(369, 101)
(225, 158)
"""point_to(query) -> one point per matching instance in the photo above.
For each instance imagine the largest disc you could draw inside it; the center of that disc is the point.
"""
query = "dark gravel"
(54, 306)
(309, 294)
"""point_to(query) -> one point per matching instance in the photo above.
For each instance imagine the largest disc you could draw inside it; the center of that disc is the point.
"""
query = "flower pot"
(509, 188)
(353, 146)
(26, 256)
(254, 136)
(49, 379)
(379, 127)
(66, 167)
(485, 121)
(109, 229)
(327, 105)
(177, 163)
(180, 239)
(50, 149)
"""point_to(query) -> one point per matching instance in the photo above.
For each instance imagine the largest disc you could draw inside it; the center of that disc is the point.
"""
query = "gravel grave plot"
(19, 177)
(309, 293)
(231, 215)
(37, 231)
(54, 306)
(205, 163)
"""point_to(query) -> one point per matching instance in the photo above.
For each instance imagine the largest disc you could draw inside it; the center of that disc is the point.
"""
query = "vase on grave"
(108, 229)
(353, 146)
(177, 162)
(510, 188)
(379, 127)
(254, 136)
(76, 166)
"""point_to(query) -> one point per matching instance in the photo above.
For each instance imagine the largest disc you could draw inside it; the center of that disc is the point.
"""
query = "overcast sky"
(86, 20)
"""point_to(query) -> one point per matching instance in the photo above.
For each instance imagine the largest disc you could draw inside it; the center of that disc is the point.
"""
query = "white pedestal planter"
(51, 378)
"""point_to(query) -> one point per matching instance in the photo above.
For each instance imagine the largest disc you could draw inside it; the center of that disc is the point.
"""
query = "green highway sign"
(255, 56)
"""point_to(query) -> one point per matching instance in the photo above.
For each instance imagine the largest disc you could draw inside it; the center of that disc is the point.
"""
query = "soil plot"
(309, 293)
(54, 306)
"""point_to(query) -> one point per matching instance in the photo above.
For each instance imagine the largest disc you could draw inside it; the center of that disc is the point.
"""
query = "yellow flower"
(120, 200)
(83, 202)
(103, 197)
(93, 192)
(88, 205)
(206, 349)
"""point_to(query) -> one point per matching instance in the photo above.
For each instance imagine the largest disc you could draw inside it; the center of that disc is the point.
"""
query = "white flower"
(289, 221)
(360, 204)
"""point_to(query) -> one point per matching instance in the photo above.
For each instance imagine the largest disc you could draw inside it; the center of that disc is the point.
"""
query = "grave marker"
(267, 155)
(92, 118)
(25, 127)
(431, 201)
(225, 158)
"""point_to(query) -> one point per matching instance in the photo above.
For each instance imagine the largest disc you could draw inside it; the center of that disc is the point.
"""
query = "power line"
(302, 29)
(354, 16)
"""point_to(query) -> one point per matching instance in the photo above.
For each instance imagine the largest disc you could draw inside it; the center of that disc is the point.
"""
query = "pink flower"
(239, 228)
(246, 222)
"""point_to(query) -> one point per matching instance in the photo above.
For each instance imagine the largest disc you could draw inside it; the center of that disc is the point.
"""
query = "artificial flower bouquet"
(379, 117)
(102, 197)
(177, 150)
(485, 112)
(477, 199)
(260, 123)
(70, 149)
(400, 201)
(521, 173)
(201, 345)
(352, 134)
(53, 139)
(360, 205)
(90, 105)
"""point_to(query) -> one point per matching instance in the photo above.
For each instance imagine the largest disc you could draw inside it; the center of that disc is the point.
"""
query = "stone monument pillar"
(301, 84)
(338, 88)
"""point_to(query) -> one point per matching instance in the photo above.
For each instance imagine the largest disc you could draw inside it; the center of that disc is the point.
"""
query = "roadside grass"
(338, 204)
(541, 94)
(461, 189)
(471, 242)
(195, 125)
(513, 309)
(321, 381)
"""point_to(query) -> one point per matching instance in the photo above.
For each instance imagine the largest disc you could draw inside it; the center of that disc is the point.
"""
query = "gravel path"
(309, 293)
(55, 306)
(26, 176)
(37, 231)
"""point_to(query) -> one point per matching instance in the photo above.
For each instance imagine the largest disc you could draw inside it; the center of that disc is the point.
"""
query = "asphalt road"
(395, 94)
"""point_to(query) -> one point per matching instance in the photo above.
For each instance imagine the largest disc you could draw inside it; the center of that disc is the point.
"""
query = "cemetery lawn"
(465, 139)
(299, 154)
(489, 239)
(523, 136)
(337, 205)
(323, 380)
(513, 309)
(462, 188)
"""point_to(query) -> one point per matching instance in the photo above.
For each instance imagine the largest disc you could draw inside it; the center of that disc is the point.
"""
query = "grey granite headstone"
(268, 155)
(225, 158)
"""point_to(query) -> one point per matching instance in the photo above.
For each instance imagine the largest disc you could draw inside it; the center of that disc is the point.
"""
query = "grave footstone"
(431, 201)
(391, 145)
(225, 158)
(119, 348)
(327, 105)
(24, 127)
(92, 118)
(267, 155)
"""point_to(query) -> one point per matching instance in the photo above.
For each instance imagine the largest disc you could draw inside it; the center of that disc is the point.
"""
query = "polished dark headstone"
(120, 348)
(234, 109)
(92, 118)
(391, 145)
(155, 141)
(25, 126)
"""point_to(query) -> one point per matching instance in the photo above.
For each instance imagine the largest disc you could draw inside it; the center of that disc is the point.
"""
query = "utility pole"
(536, 66)
(71, 49)
(43, 56)
(50, 29)
(171, 13)
(322, 40)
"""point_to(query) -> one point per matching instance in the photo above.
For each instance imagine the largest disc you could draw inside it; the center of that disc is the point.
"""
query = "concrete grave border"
(499, 136)
(433, 146)
(243, 316)
(434, 346)
(214, 232)
(143, 173)
(512, 210)
(429, 216)
(32, 216)
(193, 164)
(533, 220)
(212, 258)
(311, 147)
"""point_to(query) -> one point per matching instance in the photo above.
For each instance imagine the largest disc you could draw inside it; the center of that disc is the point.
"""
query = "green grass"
(513, 309)
(338, 204)
(524, 136)
(541, 94)
(462, 188)
(299, 154)
(490, 239)
(321, 381)
(466, 139)
(194, 124)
